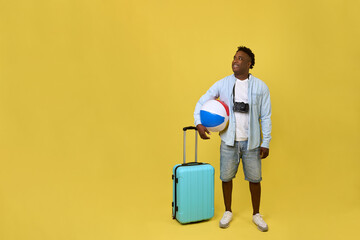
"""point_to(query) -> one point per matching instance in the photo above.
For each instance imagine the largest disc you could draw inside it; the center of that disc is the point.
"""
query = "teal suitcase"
(193, 189)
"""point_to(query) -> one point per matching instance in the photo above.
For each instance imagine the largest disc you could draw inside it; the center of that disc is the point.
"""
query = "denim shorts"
(230, 159)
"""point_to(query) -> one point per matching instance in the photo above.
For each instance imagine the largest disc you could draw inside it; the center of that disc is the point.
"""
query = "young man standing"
(248, 99)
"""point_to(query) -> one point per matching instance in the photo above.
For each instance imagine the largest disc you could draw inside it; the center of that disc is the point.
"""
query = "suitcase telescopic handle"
(185, 129)
(189, 128)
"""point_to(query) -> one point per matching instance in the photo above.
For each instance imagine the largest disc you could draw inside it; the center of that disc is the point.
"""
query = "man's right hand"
(202, 131)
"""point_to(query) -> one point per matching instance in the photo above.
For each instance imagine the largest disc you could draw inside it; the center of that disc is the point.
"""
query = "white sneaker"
(224, 222)
(260, 223)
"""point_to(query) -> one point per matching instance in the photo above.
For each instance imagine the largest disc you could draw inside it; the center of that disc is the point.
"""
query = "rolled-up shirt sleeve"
(212, 93)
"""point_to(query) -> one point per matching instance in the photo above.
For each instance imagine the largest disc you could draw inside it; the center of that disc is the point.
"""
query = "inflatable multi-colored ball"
(214, 115)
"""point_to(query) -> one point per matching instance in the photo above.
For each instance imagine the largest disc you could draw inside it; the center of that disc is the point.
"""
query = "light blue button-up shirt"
(259, 110)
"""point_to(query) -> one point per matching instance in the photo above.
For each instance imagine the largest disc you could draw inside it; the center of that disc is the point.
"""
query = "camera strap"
(235, 85)
(234, 93)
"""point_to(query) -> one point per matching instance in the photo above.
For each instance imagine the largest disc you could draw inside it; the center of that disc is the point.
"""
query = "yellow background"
(93, 96)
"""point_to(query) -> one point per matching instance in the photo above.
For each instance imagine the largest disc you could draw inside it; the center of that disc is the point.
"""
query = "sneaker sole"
(224, 226)
(262, 229)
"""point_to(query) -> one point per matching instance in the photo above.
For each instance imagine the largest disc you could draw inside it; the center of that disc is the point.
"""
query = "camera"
(241, 107)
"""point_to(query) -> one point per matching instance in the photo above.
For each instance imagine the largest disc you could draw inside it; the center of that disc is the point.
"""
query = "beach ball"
(214, 115)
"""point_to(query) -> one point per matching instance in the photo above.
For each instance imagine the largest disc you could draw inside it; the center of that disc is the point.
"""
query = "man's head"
(244, 60)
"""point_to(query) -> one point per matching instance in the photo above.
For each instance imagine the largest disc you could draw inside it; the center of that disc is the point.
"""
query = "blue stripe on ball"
(210, 119)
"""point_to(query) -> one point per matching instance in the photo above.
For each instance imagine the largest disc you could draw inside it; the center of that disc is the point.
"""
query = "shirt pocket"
(255, 99)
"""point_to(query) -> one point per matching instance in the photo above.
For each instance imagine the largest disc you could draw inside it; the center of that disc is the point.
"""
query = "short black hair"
(248, 52)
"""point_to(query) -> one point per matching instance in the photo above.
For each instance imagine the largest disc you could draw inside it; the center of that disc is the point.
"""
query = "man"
(248, 99)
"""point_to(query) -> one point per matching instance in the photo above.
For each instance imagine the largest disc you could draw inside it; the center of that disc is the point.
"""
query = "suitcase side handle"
(185, 129)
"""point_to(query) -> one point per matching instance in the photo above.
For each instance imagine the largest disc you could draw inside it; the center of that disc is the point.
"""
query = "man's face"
(241, 63)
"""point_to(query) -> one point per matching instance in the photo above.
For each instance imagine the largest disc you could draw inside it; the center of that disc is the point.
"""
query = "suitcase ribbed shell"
(194, 192)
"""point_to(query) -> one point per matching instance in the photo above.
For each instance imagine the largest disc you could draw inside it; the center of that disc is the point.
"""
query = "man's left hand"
(264, 152)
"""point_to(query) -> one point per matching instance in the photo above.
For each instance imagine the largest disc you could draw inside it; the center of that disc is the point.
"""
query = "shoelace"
(260, 219)
(226, 217)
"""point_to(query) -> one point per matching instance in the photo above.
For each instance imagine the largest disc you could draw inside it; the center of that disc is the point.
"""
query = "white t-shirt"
(241, 119)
